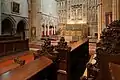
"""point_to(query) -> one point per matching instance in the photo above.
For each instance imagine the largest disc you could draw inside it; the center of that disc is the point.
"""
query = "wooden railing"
(12, 46)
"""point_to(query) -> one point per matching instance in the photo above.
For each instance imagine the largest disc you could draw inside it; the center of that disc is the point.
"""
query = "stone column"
(99, 18)
(34, 19)
(45, 30)
(48, 31)
(33, 16)
(54, 30)
(115, 9)
(38, 20)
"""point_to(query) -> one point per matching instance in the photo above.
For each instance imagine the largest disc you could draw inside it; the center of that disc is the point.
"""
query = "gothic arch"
(21, 28)
(8, 25)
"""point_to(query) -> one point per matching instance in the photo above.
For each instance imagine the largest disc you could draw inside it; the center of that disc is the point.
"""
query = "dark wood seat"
(41, 68)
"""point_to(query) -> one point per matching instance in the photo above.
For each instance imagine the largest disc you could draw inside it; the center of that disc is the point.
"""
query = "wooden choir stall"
(62, 62)
(72, 59)
(12, 44)
(107, 66)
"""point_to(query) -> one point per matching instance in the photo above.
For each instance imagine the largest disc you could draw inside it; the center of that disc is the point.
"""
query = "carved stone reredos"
(110, 38)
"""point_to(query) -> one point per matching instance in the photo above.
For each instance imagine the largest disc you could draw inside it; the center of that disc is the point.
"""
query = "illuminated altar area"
(75, 32)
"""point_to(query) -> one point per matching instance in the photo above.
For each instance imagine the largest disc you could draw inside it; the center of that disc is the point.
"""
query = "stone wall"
(7, 12)
(7, 7)
(49, 7)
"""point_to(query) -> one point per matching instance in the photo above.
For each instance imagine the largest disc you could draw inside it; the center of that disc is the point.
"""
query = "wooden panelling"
(12, 46)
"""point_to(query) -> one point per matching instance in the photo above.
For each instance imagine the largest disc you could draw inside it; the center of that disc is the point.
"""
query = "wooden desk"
(27, 71)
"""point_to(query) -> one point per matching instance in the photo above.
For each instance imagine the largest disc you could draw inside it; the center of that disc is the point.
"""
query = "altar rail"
(13, 46)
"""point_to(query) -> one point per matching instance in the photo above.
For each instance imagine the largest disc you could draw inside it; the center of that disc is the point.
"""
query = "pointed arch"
(21, 28)
(8, 25)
